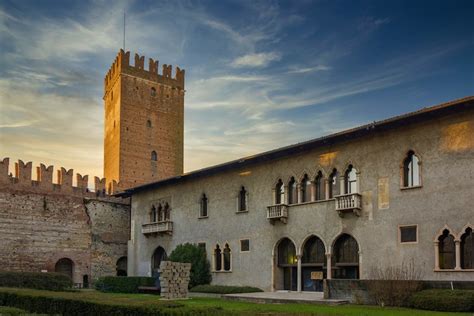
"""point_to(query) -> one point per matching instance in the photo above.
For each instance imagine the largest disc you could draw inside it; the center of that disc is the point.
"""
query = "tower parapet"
(121, 65)
(22, 181)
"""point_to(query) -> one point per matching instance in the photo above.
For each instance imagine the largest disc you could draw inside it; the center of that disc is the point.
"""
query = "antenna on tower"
(124, 30)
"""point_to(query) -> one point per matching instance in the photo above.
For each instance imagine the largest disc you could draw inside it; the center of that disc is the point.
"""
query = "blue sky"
(259, 75)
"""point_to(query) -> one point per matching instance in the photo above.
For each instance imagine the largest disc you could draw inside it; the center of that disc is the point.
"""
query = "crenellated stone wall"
(42, 222)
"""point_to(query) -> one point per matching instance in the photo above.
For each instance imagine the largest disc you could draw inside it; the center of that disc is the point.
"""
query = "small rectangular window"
(244, 245)
(408, 234)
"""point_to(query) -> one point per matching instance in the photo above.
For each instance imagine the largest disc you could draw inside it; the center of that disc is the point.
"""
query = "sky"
(259, 74)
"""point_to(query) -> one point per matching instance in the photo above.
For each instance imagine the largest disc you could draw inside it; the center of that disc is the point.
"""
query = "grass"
(230, 306)
(5, 310)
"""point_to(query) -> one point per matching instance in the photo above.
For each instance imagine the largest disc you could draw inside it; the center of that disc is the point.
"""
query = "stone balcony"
(277, 212)
(163, 227)
(348, 203)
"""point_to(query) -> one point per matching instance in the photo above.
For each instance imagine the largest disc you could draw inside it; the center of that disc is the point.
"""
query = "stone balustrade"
(349, 203)
(162, 227)
(277, 212)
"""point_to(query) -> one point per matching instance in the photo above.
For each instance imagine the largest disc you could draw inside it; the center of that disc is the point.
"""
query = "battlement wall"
(122, 65)
(21, 179)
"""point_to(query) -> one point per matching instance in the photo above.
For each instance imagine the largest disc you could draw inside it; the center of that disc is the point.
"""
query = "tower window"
(154, 156)
(153, 92)
(411, 170)
(148, 123)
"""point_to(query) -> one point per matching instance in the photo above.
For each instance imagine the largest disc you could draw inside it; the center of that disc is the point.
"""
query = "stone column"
(286, 195)
(274, 194)
(342, 185)
(329, 266)
(458, 254)
(298, 258)
(313, 191)
(299, 189)
(436, 250)
(326, 189)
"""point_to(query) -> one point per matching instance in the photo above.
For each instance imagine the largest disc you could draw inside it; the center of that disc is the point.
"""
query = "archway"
(158, 255)
(286, 266)
(121, 266)
(313, 260)
(65, 266)
(345, 258)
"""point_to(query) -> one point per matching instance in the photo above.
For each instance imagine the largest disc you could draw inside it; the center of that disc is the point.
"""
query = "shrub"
(224, 289)
(36, 280)
(57, 305)
(200, 267)
(122, 284)
(393, 286)
(444, 300)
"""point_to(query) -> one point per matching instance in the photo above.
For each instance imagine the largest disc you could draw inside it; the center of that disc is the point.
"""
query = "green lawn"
(5, 310)
(224, 305)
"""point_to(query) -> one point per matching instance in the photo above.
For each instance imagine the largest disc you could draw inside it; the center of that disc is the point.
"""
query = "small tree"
(200, 267)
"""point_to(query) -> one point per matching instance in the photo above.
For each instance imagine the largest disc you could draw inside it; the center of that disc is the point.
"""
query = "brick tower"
(144, 122)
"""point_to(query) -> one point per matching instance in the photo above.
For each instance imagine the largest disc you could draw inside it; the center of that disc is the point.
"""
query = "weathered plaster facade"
(443, 140)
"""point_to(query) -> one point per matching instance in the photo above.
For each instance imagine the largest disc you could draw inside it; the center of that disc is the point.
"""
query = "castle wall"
(446, 151)
(42, 222)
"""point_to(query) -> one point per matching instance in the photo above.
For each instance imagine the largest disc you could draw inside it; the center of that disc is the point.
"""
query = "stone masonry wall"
(174, 279)
(42, 222)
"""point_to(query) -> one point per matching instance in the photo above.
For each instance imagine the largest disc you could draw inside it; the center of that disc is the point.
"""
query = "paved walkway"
(284, 297)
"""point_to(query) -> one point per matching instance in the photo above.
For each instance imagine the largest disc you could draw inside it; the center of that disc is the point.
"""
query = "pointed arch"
(292, 191)
(411, 170)
(159, 255)
(345, 257)
(466, 248)
(334, 185)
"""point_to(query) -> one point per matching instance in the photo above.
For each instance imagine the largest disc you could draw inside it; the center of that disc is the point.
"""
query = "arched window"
(242, 200)
(153, 92)
(286, 253)
(160, 213)
(411, 170)
(204, 201)
(467, 249)
(447, 251)
(350, 180)
(121, 266)
(154, 156)
(148, 123)
(314, 251)
(153, 215)
(65, 266)
(334, 188)
(346, 258)
(292, 192)
(166, 212)
(217, 258)
(320, 187)
(305, 189)
(227, 258)
(280, 193)
(158, 255)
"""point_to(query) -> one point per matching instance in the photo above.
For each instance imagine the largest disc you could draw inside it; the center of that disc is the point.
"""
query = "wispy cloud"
(256, 60)
(309, 69)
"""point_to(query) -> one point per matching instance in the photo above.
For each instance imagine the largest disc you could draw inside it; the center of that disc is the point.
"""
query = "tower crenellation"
(122, 64)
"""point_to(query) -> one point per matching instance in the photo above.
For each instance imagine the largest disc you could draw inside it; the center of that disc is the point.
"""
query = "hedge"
(224, 289)
(123, 284)
(444, 300)
(37, 303)
(35, 280)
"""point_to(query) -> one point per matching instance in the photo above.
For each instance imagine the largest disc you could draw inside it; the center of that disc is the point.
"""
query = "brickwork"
(144, 113)
(174, 279)
(42, 222)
